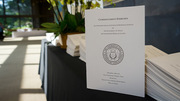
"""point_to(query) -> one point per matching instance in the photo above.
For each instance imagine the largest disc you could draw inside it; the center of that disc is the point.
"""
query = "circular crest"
(113, 54)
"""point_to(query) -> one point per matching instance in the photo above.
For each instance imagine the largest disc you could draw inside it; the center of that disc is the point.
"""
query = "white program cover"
(115, 50)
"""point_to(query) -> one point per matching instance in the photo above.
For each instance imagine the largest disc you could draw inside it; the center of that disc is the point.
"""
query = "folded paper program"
(73, 44)
(82, 50)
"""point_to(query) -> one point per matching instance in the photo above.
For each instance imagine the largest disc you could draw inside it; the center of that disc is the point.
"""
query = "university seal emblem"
(113, 54)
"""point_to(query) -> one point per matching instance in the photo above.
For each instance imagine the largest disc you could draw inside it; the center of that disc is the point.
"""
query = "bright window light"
(31, 97)
(5, 52)
(37, 38)
(33, 49)
(13, 39)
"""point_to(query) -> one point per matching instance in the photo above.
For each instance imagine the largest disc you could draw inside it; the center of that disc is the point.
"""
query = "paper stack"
(152, 52)
(162, 75)
(82, 50)
(73, 42)
(51, 38)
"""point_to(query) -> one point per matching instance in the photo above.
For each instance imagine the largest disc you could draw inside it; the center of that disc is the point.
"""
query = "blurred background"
(162, 22)
(162, 18)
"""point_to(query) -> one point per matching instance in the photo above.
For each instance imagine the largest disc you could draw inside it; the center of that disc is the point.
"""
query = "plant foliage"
(68, 22)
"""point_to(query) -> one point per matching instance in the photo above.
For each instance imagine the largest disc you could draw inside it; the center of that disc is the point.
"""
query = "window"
(12, 22)
(26, 22)
(15, 13)
(1, 8)
(11, 7)
(25, 7)
(2, 20)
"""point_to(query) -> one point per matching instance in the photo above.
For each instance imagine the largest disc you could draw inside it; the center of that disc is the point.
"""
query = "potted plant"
(66, 22)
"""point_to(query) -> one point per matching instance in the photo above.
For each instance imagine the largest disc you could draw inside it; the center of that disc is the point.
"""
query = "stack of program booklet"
(50, 37)
(82, 50)
(162, 74)
(73, 42)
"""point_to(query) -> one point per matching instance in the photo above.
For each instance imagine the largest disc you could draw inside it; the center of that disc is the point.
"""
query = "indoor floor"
(19, 63)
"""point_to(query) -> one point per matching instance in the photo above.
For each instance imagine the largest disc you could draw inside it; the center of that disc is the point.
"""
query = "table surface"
(66, 80)
(28, 33)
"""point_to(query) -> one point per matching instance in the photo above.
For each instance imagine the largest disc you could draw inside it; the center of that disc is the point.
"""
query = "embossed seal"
(113, 54)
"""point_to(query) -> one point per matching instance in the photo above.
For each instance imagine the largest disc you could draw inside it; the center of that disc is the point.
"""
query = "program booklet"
(115, 52)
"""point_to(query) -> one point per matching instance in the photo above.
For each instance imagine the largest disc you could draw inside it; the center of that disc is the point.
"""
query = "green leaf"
(71, 21)
(49, 25)
(49, 8)
(52, 30)
(97, 4)
(78, 18)
(56, 34)
(63, 26)
(80, 29)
